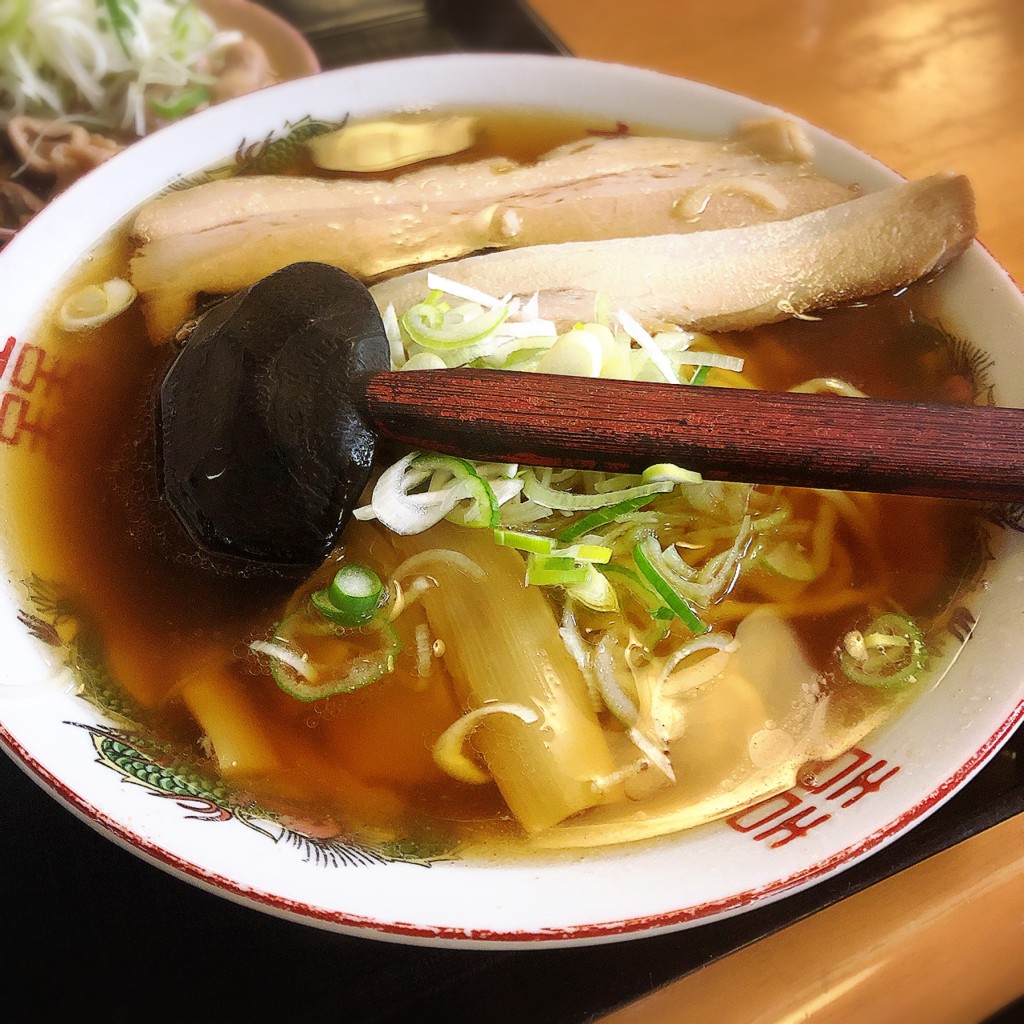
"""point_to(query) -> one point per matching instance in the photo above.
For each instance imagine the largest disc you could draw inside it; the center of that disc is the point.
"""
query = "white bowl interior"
(939, 742)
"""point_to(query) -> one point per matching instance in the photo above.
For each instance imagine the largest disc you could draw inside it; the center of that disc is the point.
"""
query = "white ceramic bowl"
(868, 799)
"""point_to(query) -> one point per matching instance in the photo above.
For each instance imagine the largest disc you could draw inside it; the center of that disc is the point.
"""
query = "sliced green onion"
(888, 654)
(188, 21)
(585, 552)
(426, 313)
(310, 665)
(521, 353)
(95, 304)
(786, 559)
(554, 571)
(424, 361)
(12, 20)
(449, 750)
(667, 592)
(619, 510)
(616, 698)
(120, 22)
(521, 541)
(828, 385)
(643, 592)
(403, 510)
(595, 591)
(353, 596)
(670, 472)
(431, 330)
(701, 375)
(641, 336)
(446, 286)
(183, 103)
(772, 519)
(577, 353)
(484, 508)
(551, 497)
(719, 359)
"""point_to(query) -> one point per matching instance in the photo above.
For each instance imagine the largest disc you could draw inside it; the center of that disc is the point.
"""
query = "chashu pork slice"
(224, 235)
(732, 278)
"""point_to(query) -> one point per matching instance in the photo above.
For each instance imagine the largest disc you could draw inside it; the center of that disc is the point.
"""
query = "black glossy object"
(263, 452)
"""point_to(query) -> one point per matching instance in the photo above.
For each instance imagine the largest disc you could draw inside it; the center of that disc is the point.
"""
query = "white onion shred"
(286, 656)
(641, 336)
(100, 60)
(449, 750)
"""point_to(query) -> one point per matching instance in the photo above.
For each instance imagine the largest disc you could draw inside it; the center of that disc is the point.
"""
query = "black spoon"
(270, 417)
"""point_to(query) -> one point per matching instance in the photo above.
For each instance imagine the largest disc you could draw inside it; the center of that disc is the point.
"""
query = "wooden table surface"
(923, 85)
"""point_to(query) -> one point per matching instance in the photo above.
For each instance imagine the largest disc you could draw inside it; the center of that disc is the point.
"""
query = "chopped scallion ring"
(95, 304)
(585, 552)
(353, 596)
(397, 504)
(484, 508)
(310, 663)
(181, 104)
(640, 335)
(445, 285)
(709, 359)
(430, 327)
(551, 571)
(595, 591)
(787, 559)
(642, 591)
(577, 353)
(12, 19)
(889, 653)
(521, 541)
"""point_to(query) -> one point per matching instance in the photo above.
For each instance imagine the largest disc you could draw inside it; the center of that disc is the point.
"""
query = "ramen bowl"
(59, 722)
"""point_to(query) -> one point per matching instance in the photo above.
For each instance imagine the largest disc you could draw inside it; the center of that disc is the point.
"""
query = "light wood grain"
(923, 85)
(940, 942)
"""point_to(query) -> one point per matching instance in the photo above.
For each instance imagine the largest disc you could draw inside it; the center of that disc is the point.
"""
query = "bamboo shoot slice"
(217, 700)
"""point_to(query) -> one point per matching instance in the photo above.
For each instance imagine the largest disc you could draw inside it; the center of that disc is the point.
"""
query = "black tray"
(88, 921)
(356, 31)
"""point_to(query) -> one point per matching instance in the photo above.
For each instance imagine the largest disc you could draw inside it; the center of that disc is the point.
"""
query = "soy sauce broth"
(85, 516)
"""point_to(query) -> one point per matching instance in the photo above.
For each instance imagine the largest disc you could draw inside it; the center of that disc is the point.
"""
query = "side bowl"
(863, 802)
(289, 51)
